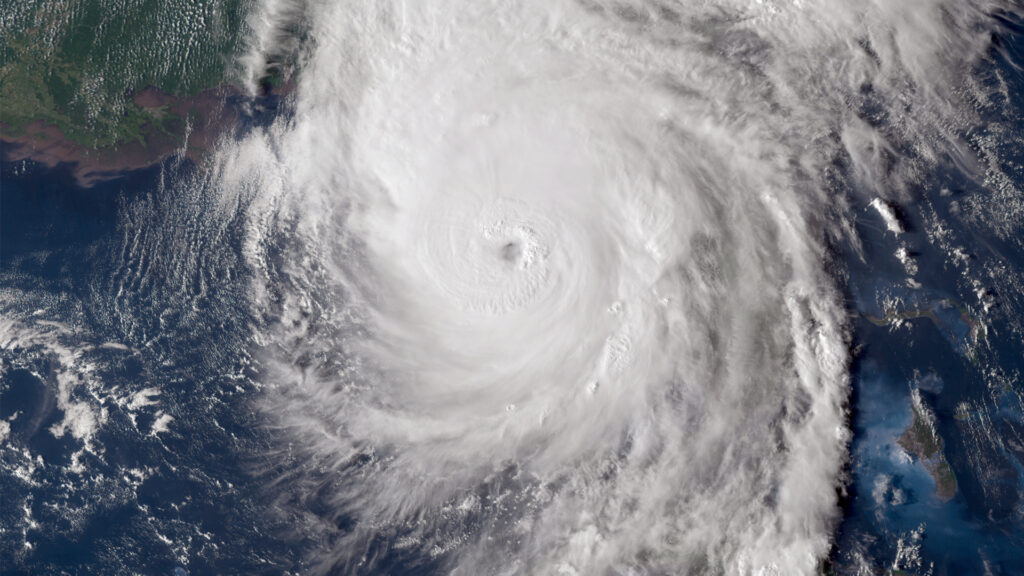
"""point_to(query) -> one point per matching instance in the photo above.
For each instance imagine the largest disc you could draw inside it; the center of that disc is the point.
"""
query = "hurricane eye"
(511, 252)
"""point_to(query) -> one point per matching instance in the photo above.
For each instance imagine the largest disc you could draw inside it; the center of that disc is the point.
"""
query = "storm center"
(511, 252)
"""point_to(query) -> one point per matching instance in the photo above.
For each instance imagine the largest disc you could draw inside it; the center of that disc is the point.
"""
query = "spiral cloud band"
(553, 297)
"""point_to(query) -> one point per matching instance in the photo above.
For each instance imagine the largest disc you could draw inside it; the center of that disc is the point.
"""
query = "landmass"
(105, 88)
(922, 441)
(186, 127)
(955, 322)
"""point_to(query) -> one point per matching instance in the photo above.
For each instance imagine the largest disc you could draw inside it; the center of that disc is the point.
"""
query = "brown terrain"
(921, 442)
(208, 113)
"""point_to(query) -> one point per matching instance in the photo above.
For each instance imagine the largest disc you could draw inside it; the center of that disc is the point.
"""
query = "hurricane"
(550, 287)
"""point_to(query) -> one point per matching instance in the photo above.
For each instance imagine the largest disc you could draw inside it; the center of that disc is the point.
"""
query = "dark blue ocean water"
(202, 505)
(975, 394)
(197, 507)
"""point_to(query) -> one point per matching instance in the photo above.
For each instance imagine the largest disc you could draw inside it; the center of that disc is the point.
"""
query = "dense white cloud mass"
(545, 281)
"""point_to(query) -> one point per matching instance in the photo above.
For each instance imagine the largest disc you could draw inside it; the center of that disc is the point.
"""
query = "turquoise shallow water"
(970, 380)
(134, 499)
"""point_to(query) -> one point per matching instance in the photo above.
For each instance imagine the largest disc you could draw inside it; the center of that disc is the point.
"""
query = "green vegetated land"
(921, 440)
(75, 64)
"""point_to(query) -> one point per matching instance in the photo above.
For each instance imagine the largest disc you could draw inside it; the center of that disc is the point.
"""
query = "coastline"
(191, 128)
(921, 441)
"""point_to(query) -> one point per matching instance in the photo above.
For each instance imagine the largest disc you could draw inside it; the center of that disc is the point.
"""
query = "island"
(956, 324)
(922, 441)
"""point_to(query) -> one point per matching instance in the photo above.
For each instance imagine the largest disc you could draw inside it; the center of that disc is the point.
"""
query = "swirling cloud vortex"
(555, 298)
